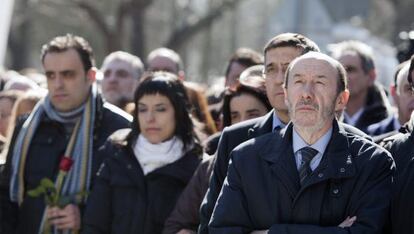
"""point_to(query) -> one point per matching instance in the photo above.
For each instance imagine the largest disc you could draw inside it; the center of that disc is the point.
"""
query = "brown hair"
(63, 43)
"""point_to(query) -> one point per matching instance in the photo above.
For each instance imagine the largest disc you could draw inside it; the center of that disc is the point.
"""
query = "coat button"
(320, 175)
(335, 191)
(342, 170)
(129, 166)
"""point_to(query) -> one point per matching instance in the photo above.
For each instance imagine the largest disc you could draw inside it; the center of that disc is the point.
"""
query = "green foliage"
(47, 189)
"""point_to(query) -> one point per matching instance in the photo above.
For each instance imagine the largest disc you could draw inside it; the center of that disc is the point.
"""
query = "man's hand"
(260, 232)
(186, 231)
(67, 218)
(348, 222)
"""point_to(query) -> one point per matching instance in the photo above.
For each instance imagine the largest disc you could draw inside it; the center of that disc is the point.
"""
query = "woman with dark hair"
(244, 103)
(147, 166)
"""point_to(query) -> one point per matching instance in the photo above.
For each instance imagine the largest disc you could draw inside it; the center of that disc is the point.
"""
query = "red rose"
(65, 164)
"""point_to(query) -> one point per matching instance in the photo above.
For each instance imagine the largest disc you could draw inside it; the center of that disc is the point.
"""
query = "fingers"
(66, 218)
(348, 222)
(186, 231)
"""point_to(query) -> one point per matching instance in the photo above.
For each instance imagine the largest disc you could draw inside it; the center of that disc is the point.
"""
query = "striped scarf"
(79, 148)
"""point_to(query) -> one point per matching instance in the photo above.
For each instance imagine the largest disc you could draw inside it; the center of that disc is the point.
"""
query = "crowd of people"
(293, 141)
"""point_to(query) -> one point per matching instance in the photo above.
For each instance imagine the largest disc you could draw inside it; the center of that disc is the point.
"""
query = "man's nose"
(280, 77)
(307, 90)
(58, 82)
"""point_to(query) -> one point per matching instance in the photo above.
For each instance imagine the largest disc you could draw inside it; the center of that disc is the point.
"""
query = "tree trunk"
(138, 37)
(20, 40)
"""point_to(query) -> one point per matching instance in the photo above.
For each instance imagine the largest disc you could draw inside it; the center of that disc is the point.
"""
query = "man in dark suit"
(368, 103)
(278, 53)
(312, 177)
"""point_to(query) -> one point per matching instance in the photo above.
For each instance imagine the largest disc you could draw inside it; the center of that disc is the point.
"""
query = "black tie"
(307, 155)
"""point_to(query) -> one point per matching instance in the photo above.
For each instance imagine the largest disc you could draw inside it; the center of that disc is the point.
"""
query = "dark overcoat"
(124, 200)
(262, 189)
(46, 149)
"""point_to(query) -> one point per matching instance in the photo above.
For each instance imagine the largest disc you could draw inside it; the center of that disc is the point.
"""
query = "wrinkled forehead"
(315, 63)
(162, 63)
(117, 64)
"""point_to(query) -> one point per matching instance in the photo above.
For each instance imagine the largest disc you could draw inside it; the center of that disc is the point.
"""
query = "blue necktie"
(308, 153)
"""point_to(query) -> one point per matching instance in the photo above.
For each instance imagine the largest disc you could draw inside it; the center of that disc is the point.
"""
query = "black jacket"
(376, 108)
(124, 200)
(401, 147)
(230, 138)
(262, 189)
(384, 126)
(45, 151)
(186, 211)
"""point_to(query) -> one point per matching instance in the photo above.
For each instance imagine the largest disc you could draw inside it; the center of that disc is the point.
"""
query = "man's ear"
(372, 76)
(286, 100)
(393, 92)
(181, 75)
(342, 100)
(91, 74)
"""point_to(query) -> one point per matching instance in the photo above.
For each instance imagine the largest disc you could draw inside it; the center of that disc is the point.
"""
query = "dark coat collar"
(182, 169)
(263, 126)
(336, 162)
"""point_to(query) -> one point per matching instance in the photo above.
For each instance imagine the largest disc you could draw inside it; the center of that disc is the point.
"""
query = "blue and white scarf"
(80, 150)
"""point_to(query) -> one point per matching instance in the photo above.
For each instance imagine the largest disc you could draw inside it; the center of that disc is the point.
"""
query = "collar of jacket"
(336, 163)
(263, 126)
(180, 169)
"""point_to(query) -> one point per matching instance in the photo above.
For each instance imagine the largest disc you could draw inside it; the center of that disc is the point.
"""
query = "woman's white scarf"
(153, 156)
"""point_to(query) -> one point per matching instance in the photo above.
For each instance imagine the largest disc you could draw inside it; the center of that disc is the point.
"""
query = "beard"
(316, 121)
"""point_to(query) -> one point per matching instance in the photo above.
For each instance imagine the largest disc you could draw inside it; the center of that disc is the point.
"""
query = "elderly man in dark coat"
(312, 177)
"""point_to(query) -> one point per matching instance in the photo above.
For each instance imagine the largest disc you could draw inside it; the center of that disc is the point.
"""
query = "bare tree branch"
(180, 35)
(95, 15)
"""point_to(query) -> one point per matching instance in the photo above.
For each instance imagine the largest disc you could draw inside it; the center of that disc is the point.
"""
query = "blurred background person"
(164, 59)
(403, 97)
(7, 100)
(15, 81)
(247, 100)
(121, 72)
(239, 61)
(200, 113)
(22, 107)
(149, 165)
(368, 103)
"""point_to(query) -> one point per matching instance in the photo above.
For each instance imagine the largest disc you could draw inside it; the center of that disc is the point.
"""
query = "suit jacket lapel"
(336, 162)
(263, 126)
(281, 160)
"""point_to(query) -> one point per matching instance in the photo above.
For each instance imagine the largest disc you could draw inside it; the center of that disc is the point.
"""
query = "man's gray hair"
(135, 62)
(361, 49)
(168, 53)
